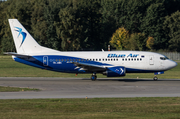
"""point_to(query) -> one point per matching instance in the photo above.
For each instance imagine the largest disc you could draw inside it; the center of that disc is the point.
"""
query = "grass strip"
(98, 108)
(16, 89)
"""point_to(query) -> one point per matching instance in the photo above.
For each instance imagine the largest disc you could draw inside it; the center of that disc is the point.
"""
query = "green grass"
(10, 68)
(98, 108)
(16, 89)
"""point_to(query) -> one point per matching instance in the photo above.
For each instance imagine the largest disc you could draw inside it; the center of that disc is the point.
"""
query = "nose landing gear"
(157, 73)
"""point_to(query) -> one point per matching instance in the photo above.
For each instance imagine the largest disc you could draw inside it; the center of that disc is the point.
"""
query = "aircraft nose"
(173, 64)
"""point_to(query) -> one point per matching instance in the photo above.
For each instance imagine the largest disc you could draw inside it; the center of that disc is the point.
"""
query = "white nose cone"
(172, 64)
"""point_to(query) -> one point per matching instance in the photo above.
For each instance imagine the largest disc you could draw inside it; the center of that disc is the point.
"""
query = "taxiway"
(82, 88)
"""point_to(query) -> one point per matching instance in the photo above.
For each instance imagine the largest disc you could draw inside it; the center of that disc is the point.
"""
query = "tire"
(93, 77)
(155, 78)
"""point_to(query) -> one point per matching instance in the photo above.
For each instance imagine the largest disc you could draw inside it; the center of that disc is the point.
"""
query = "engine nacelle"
(115, 71)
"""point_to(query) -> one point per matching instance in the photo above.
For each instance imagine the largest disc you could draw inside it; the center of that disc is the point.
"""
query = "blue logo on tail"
(22, 33)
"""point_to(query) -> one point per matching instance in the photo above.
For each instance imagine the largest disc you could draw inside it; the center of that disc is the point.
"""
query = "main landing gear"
(155, 78)
(93, 77)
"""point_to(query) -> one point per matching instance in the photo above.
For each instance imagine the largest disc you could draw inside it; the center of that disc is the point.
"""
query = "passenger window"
(81, 59)
(122, 59)
(67, 59)
(99, 59)
(64, 59)
(140, 59)
(126, 59)
(108, 59)
(137, 59)
(129, 59)
(103, 59)
(116, 59)
(134, 59)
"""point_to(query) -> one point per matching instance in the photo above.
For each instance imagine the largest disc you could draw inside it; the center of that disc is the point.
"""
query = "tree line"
(68, 25)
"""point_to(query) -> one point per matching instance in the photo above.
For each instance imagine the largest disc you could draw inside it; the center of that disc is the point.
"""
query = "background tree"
(13, 9)
(109, 20)
(51, 11)
(150, 43)
(92, 23)
(89, 12)
(68, 29)
(131, 14)
(172, 27)
(152, 24)
(119, 39)
(38, 22)
(136, 41)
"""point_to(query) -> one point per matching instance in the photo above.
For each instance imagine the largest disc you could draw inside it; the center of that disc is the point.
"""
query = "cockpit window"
(164, 58)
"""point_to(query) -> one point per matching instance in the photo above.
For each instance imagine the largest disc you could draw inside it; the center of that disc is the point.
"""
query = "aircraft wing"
(90, 67)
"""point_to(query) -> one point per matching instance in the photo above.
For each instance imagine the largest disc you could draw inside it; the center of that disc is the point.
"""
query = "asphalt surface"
(82, 88)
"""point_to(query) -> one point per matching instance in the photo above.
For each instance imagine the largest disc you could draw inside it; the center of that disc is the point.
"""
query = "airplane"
(109, 63)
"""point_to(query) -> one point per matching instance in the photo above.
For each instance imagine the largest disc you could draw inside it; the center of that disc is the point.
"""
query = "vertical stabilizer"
(24, 42)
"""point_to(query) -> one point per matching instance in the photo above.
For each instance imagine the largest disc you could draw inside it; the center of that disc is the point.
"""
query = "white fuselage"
(134, 60)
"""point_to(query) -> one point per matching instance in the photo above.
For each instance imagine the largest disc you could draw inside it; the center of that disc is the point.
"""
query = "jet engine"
(115, 71)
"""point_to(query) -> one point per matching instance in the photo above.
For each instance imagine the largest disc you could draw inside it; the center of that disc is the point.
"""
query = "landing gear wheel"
(93, 77)
(155, 78)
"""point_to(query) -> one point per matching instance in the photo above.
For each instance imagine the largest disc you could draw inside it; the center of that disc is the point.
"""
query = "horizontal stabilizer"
(15, 54)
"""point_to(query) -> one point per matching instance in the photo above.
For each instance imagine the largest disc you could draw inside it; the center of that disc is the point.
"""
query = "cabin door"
(45, 60)
(151, 60)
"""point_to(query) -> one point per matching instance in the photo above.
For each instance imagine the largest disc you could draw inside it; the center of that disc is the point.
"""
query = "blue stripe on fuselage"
(66, 66)
(55, 65)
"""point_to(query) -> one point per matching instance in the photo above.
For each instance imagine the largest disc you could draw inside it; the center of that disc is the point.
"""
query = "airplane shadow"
(131, 80)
